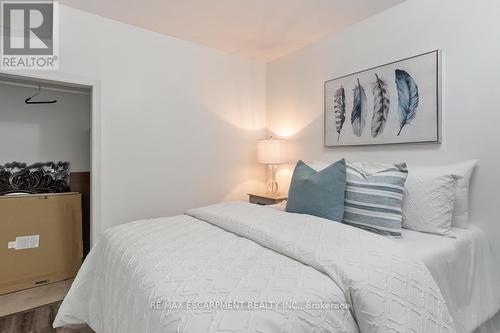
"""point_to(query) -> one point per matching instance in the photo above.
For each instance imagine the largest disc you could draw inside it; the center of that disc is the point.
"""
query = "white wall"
(466, 31)
(179, 121)
(44, 132)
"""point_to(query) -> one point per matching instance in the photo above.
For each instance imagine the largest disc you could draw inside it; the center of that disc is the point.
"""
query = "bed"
(464, 271)
(239, 267)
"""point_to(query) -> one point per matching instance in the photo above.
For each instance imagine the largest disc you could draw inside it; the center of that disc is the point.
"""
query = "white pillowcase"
(462, 189)
(319, 165)
(462, 173)
(428, 201)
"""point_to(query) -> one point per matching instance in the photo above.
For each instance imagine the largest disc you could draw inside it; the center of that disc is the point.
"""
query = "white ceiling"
(262, 30)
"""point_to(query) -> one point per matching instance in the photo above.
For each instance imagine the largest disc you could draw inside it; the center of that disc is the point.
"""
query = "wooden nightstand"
(266, 198)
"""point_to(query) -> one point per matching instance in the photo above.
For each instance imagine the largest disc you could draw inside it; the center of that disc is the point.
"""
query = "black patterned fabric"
(46, 177)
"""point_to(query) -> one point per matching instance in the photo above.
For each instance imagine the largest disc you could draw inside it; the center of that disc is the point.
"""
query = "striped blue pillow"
(373, 200)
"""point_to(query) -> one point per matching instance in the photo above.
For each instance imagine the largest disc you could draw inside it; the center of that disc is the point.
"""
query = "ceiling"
(262, 30)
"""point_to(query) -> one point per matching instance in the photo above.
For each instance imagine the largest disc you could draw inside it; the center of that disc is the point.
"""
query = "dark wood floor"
(38, 320)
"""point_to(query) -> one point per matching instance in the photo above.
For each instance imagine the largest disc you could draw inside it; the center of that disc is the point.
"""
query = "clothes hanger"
(29, 101)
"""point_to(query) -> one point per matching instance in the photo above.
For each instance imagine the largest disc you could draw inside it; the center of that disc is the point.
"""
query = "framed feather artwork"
(399, 102)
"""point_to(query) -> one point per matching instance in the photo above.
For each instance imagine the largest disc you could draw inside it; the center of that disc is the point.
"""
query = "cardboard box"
(40, 239)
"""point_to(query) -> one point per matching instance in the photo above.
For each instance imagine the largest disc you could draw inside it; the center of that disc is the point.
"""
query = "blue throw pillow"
(319, 193)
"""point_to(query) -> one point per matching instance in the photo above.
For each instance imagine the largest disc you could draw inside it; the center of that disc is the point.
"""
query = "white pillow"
(461, 209)
(462, 172)
(318, 165)
(428, 201)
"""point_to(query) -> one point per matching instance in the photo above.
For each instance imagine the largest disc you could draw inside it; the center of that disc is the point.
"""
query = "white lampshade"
(271, 151)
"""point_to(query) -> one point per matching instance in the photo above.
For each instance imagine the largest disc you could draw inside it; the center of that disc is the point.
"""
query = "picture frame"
(399, 102)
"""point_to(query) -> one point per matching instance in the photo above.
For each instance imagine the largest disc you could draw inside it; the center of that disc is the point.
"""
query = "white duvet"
(175, 274)
(464, 270)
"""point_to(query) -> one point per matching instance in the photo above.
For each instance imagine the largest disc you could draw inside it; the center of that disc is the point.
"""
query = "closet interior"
(45, 180)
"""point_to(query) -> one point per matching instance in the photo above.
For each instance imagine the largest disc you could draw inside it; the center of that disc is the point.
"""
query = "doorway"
(45, 120)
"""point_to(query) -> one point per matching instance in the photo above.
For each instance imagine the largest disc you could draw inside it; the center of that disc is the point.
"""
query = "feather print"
(358, 115)
(339, 109)
(380, 106)
(407, 98)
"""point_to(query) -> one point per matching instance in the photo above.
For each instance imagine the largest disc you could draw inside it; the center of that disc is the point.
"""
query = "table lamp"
(271, 152)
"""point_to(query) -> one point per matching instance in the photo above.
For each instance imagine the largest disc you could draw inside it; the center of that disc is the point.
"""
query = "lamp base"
(272, 187)
(272, 184)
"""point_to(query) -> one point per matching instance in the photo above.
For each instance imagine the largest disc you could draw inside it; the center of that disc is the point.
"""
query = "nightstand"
(266, 198)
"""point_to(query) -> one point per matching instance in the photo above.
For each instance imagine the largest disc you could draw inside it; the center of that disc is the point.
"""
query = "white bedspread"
(261, 255)
(464, 270)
